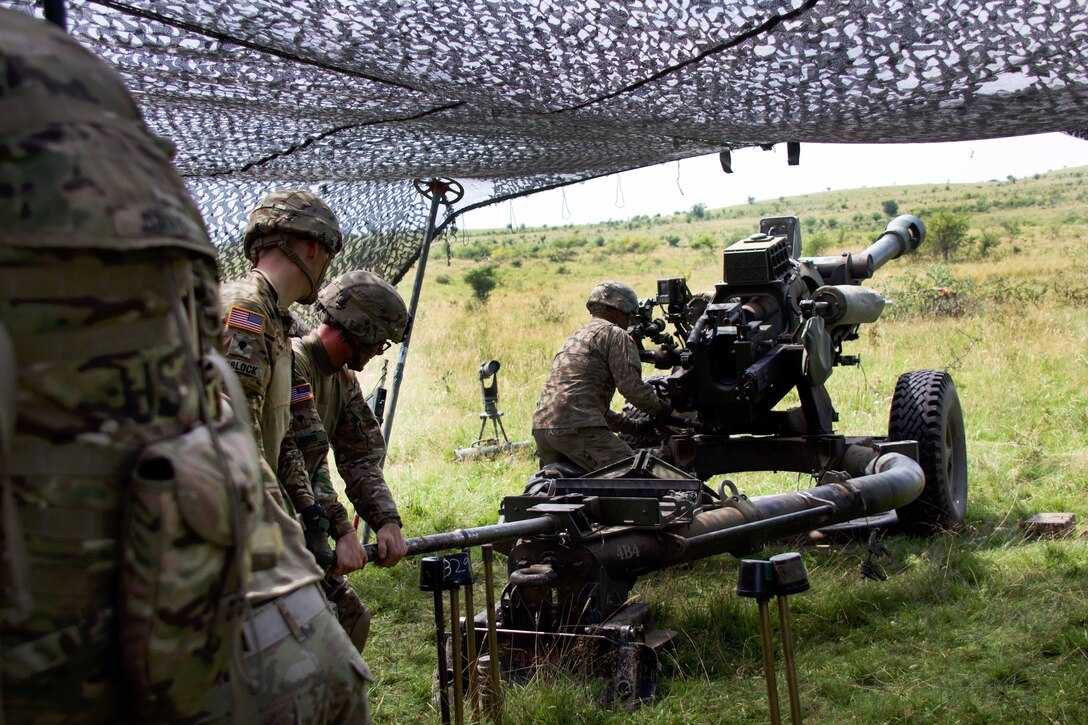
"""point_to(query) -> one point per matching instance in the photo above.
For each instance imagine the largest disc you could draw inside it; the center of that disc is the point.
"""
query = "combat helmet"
(96, 140)
(613, 294)
(365, 305)
(289, 214)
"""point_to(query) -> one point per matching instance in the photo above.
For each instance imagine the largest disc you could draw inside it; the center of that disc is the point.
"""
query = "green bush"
(482, 280)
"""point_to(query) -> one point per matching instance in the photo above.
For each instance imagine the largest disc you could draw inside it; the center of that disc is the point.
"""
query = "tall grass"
(982, 626)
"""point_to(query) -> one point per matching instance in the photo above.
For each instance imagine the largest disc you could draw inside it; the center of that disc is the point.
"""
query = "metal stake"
(492, 634)
(470, 643)
(443, 668)
(458, 665)
(787, 655)
(768, 660)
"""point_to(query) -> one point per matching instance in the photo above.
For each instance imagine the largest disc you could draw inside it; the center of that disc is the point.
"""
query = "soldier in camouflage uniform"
(306, 667)
(107, 301)
(361, 315)
(573, 419)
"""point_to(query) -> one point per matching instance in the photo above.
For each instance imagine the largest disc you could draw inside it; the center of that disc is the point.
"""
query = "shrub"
(704, 241)
(948, 230)
(935, 292)
(890, 207)
(482, 280)
(442, 279)
(673, 240)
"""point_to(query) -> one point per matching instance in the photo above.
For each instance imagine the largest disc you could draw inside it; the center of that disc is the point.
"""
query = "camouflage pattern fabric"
(82, 420)
(255, 339)
(98, 243)
(585, 374)
(351, 613)
(336, 414)
(590, 448)
(257, 349)
(313, 674)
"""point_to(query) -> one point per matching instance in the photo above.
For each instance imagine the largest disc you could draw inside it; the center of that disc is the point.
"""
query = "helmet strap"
(314, 279)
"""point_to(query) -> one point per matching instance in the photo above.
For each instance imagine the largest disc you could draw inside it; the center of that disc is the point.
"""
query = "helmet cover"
(614, 294)
(365, 305)
(291, 213)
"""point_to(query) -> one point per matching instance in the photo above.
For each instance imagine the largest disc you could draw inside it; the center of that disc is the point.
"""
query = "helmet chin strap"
(314, 280)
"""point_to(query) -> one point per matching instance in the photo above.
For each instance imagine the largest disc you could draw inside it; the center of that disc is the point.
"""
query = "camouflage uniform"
(259, 351)
(107, 298)
(572, 416)
(307, 668)
(329, 399)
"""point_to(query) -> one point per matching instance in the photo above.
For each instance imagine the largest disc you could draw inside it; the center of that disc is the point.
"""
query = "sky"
(677, 186)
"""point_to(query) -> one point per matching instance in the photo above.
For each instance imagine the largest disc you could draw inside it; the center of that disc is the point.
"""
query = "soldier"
(573, 418)
(361, 315)
(124, 527)
(307, 668)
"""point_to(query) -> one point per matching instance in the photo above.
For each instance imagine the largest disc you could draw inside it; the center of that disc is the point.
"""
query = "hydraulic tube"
(890, 481)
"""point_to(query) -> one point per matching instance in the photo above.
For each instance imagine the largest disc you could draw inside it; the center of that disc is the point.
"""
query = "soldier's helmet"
(289, 213)
(80, 168)
(365, 305)
(614, 294)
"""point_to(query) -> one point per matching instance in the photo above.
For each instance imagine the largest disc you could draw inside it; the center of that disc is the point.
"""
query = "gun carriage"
(776, 323)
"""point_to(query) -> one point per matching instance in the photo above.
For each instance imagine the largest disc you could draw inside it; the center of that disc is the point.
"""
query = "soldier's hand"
(350, 554)
(391, 545)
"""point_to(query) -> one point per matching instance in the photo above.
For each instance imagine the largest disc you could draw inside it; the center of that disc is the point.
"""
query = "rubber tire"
(926, 408)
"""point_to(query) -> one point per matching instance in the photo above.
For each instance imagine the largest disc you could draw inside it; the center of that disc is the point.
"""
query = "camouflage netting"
(354, 98)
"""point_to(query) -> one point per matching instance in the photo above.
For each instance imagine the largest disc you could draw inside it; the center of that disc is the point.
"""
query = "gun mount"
(776, 323)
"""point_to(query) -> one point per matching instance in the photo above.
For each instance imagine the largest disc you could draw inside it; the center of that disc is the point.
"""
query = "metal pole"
(470, 643)
(492, 634)
(768, 660)
(787, 655)
(461, 538)
(438, 191)
(443, 669)
(56, 13)
(458, 668)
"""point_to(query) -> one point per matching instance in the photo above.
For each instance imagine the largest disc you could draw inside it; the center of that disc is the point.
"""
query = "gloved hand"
(315, 529)
(663, 415)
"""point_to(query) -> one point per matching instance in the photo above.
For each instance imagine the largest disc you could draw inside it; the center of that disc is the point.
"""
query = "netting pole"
(439, 191)
(55, 13)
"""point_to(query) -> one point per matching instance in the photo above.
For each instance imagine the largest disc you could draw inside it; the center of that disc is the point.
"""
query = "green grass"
(982, 626)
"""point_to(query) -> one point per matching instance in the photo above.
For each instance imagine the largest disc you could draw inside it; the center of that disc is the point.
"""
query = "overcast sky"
(672, 187)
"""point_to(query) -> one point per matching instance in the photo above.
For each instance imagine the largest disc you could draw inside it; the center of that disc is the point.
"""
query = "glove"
(315, 529)
(663, 415)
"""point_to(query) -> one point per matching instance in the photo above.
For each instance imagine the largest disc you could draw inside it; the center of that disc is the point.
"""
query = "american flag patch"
(299, 393)
(244, 319)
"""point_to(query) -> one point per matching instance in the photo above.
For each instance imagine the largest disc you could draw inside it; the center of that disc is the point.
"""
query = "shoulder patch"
(301, 393)
(245, 319)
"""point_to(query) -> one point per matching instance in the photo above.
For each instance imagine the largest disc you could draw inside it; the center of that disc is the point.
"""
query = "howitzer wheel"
(926, 408)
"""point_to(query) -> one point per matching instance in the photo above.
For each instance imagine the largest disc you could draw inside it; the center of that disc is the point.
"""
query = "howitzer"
(776, 323)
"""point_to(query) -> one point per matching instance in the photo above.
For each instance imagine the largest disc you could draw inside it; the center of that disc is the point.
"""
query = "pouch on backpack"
(186, 564)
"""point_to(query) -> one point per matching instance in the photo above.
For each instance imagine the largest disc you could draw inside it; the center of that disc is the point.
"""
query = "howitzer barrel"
(902, 236)
(464, 538)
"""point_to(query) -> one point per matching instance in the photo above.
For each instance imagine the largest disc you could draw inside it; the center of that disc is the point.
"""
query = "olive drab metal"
(614, 294)
(365, 305)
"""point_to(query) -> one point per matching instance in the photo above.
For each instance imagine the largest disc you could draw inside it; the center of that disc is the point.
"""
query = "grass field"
(982, 626)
